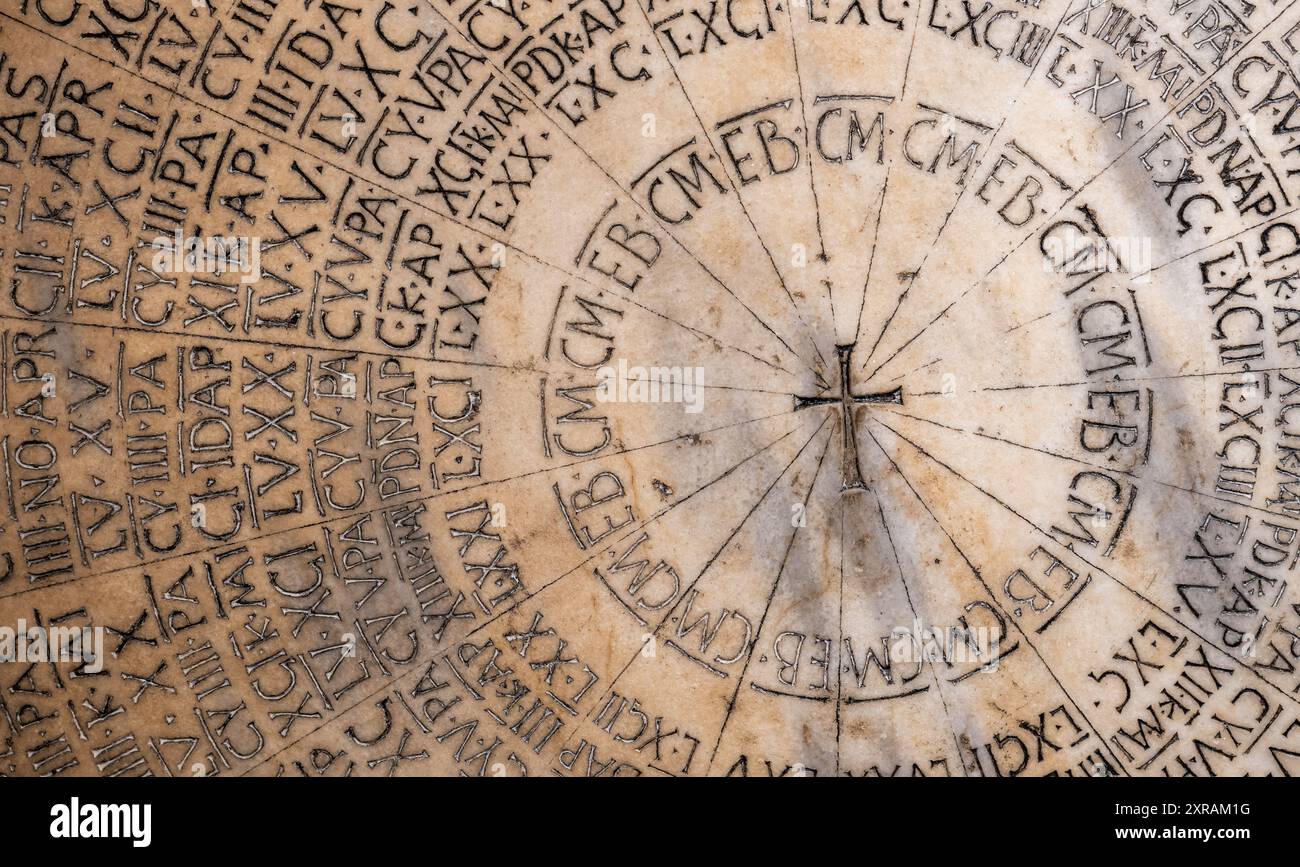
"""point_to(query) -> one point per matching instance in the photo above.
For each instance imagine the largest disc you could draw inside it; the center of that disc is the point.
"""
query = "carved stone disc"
(618, 387)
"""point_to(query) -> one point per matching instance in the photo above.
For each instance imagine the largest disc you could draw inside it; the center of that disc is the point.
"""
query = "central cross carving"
(847, 400)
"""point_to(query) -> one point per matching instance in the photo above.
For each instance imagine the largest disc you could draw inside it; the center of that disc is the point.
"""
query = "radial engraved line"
(499, 615)
(916, 618)
(415, 500)
(730, 182)
(175, 94)
(1134, 591)
(839, 648)
(884, 190)
(703, 571)
(655, 220)
(649, 520)
(1169, 377)
(388, 685)
(871, 260)
(980, 578)
(1069, 199)
(1133, 474)
(960, 193)
(1132, 277)
(807, 147)
(758, 630)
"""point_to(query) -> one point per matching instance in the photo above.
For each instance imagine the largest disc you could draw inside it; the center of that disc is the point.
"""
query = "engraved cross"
(847, 400)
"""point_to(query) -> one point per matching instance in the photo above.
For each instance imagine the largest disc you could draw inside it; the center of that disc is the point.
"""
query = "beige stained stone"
(626, 388)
